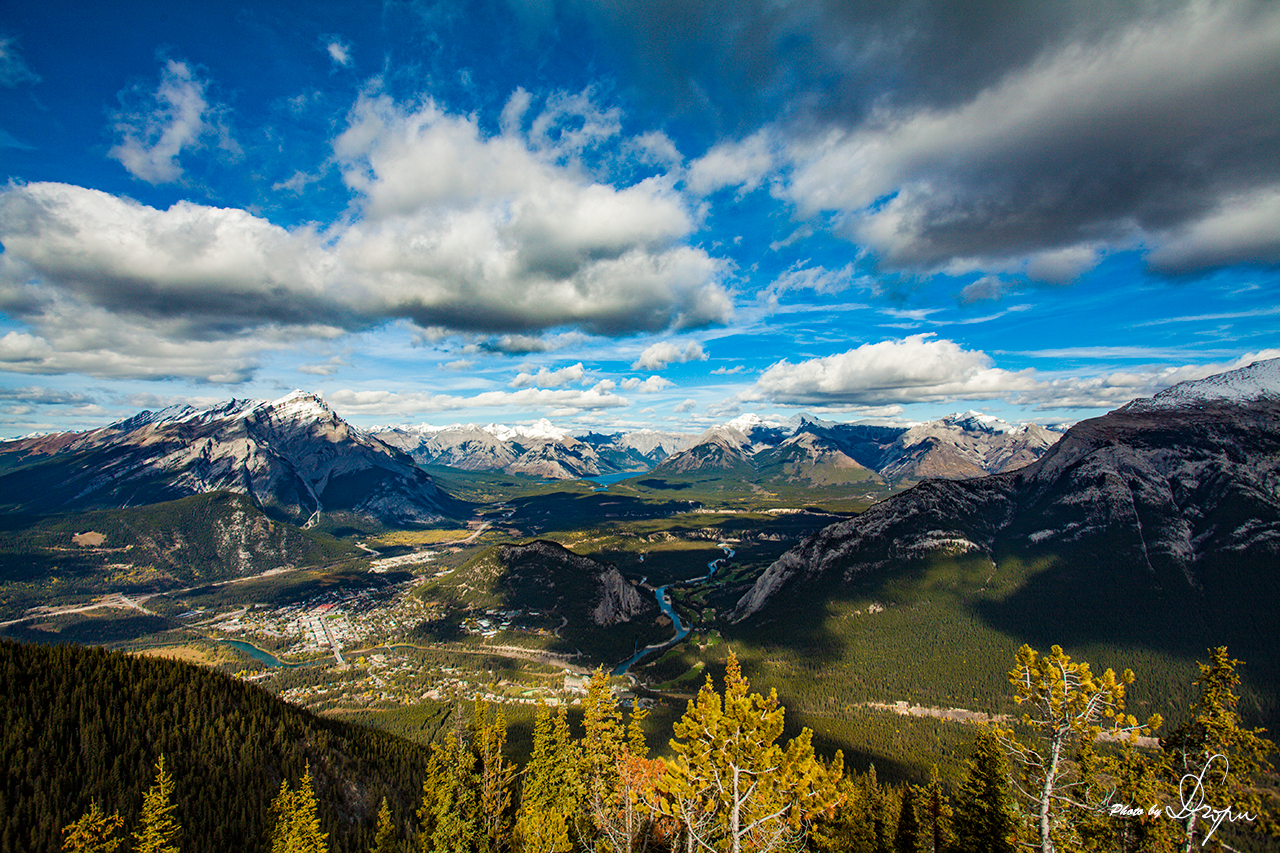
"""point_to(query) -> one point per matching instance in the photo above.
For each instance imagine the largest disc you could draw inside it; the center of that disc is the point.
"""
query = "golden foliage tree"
(94, 832)
(158, 829)
(731, 787)
(1066, 709)
(297, 819)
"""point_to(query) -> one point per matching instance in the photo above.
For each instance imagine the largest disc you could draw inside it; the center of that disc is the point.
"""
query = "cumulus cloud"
(911, 370)
(550, 378)
(410, 404)
(460, 233)
(659, 355)
(686, 406)
(494, 233)
(159, 126)
(652, 385)
(743, 164)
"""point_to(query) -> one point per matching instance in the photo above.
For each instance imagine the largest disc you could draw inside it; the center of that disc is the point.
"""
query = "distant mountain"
(540, 450)
(806, 449)
(1168, 499)
(294, 457)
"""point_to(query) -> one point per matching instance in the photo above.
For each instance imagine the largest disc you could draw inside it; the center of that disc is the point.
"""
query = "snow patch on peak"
(1258, 381)
(300, 405)
(541, 428)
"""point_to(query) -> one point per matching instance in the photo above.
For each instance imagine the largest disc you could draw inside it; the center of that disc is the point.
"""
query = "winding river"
(664, 602)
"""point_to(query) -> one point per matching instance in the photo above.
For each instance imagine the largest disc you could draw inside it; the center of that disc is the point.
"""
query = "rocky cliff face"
(294, 457)
(1162, 487)
(547, 576)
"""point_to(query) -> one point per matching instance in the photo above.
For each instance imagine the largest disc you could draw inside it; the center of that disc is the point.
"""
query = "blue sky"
(618, 215)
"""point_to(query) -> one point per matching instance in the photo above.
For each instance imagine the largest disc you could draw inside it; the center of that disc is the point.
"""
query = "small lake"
(259, 655)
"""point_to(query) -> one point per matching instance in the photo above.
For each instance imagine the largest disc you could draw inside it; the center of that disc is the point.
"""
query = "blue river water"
(664, 602)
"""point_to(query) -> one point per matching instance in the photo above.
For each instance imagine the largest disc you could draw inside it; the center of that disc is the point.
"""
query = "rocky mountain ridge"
(804, 448)
(294, 457)
(1166, 486)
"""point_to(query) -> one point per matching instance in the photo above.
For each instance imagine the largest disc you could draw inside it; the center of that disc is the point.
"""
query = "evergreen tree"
(906, 839)
(849, 828)
(549, 794)
(297, 820)
(1066, 706)
(984, 821)
(496, 777)
(94, 832)
(937, 815)
(158, 829)
(384, 837)
(1214, 744)
(731, 786)
(450, 806)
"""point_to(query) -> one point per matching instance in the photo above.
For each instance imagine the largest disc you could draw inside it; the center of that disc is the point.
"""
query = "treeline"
(1071, 776)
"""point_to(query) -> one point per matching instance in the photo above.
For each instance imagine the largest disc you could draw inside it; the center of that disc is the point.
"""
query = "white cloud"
(989, 287)
(911, 370)
(339, 52)
(743, 164)
(686, 406)
(659, 355)
(652, 385)
(482, 233)
(173, 119)
(461, 364)
(550, 378)
(383, 403)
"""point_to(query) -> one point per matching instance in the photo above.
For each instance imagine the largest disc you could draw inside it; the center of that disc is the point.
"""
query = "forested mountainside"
(80, 725)
(235, 769)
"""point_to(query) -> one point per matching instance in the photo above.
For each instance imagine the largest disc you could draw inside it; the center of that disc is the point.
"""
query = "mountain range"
(297, 460)
(803, 449)
(294, 457)
(1164, 512)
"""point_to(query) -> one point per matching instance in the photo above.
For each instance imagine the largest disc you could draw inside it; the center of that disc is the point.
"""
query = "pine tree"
(549, 796)
(496, 777)
(984, 821)
(1066, 706)
(906, 839)
(730, 785)
(1213, 743)
(450, 816)
(384, 837)
(937, 815)
(158, 829)
(297, 820)
(94, 832)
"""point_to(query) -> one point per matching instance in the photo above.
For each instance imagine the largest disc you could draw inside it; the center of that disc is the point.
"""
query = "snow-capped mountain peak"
(1259, 380)
(301, 405)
